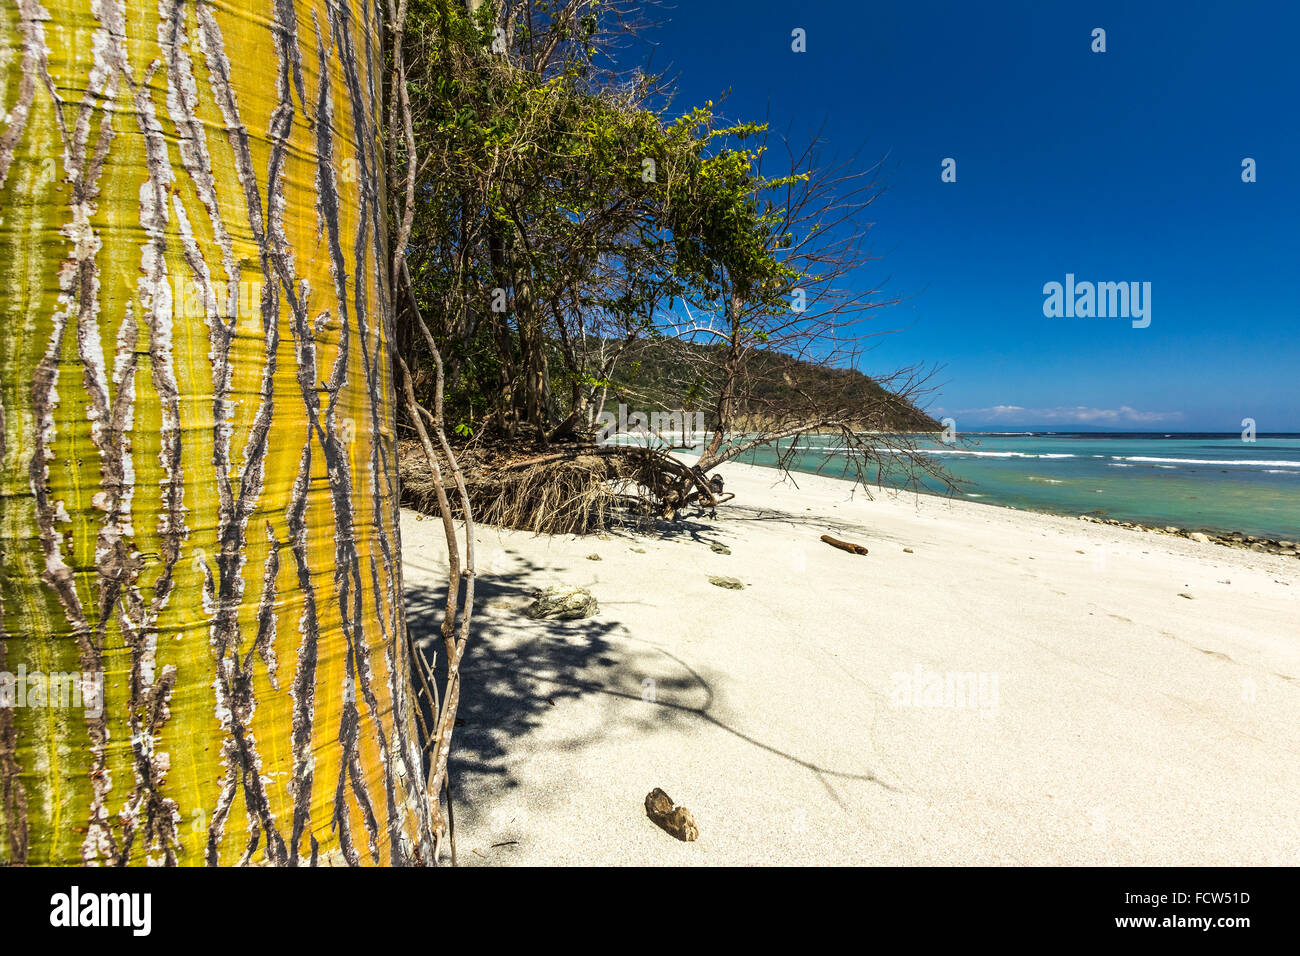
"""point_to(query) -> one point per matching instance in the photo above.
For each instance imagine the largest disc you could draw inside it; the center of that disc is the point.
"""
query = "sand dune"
(1021, 689)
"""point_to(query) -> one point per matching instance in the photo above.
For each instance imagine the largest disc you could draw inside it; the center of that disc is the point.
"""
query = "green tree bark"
(198, 498)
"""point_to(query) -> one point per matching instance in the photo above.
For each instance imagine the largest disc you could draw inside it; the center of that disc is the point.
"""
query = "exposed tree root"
(576, 489)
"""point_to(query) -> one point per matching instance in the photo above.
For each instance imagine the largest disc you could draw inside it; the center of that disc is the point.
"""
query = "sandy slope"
(1130, 725)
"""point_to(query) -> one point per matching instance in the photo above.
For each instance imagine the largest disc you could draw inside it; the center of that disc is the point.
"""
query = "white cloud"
(1070, 415)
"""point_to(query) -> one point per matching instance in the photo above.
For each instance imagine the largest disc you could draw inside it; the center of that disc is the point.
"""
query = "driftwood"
(675, 821)
(848, 546)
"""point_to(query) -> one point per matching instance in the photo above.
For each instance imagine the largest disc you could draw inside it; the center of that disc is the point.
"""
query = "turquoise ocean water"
(1195, 481)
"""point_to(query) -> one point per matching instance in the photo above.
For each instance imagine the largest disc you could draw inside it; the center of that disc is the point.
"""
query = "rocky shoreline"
(1232, 539)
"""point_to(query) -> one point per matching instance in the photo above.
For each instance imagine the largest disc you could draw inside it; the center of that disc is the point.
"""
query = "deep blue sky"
(1115, 166)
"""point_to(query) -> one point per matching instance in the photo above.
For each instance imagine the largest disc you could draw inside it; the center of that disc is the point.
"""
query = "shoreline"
(1229, 539)
(1220, 536)
(1286, 544)
(1140, 702)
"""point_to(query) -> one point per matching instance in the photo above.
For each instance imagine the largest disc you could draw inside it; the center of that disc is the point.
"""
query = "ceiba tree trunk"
(198, 498)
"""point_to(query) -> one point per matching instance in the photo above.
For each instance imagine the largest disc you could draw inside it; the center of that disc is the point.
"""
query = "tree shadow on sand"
(518, 670)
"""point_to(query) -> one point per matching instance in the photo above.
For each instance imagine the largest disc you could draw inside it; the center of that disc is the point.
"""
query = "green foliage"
(573, 191)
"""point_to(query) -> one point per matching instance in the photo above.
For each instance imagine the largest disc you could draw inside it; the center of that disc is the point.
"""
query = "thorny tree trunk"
(198, 496)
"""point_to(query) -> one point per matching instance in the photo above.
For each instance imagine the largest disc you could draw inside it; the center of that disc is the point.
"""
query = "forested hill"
(677, 375)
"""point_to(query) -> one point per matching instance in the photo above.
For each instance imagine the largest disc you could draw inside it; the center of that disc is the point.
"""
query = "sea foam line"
(1210, 461)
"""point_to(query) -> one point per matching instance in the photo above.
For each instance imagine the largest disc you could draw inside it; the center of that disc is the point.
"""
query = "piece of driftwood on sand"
(848, 546)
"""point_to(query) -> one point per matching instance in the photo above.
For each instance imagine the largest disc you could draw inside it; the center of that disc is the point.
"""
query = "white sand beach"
(1120, 723)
